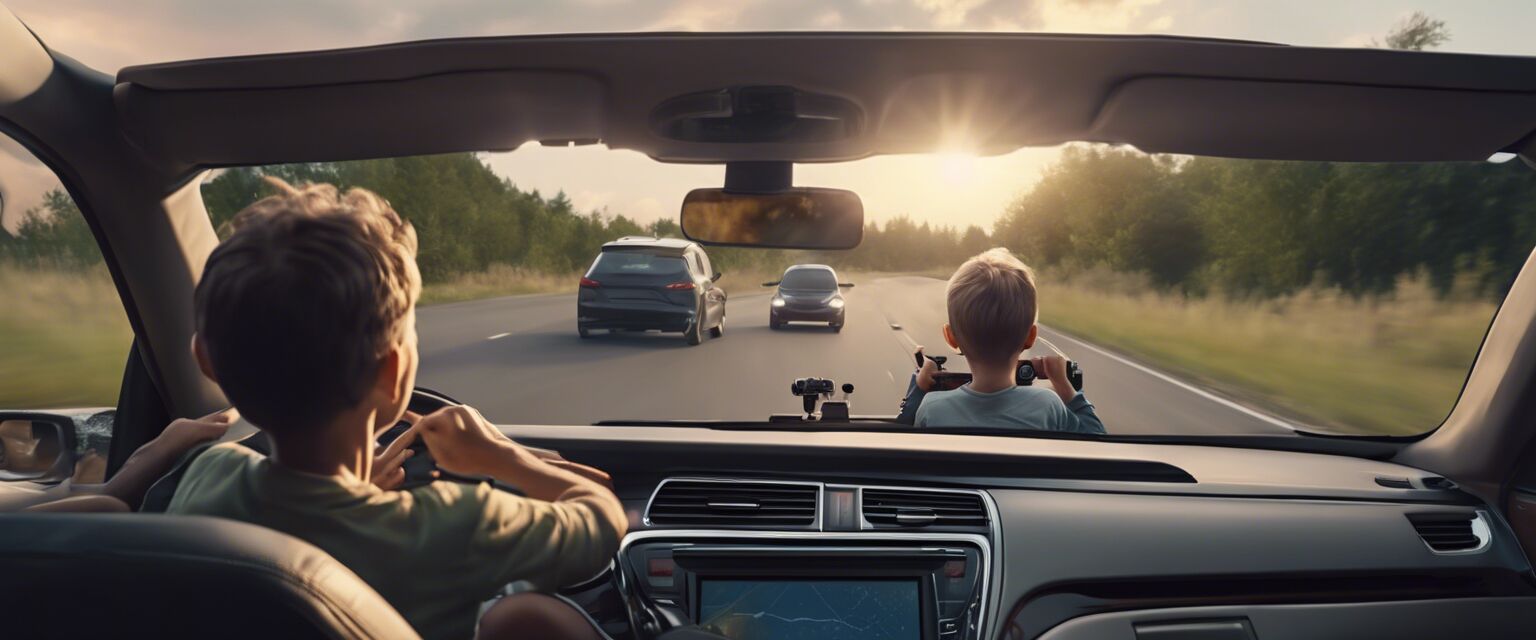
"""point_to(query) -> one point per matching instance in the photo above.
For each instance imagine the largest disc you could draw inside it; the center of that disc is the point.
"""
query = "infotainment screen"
(796, 609)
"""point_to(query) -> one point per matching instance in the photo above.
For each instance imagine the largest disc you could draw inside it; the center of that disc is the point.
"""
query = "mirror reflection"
(28, 448)
(804, 218)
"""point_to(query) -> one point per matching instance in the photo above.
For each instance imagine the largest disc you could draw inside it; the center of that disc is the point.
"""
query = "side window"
(704, 267)
(698, 263)
(63, 334)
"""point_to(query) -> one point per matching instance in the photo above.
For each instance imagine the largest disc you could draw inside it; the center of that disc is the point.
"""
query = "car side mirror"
(775, 283)
(716, 277)
(36, 447)
(845, 285)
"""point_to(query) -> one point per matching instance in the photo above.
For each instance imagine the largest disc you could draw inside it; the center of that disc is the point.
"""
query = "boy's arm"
(567, 532)
(911, 402)
(917, 389)
(1082, 418)
(158, 456)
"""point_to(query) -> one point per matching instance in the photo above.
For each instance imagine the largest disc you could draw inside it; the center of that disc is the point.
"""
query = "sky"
(951, 189)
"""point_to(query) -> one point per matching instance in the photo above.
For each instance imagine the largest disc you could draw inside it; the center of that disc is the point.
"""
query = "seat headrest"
(121, 575)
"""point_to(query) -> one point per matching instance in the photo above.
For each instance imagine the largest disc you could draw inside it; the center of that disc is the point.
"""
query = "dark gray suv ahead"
(641, 283)
(807, 292)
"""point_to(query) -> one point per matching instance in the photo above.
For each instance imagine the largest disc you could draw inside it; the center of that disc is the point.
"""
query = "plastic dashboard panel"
(1064, 544)
(1481, 618)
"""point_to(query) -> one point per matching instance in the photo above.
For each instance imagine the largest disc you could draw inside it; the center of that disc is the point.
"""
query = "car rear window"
(638, 263)
(809, 279)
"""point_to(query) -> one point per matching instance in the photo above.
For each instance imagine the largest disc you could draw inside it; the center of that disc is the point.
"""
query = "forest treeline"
(468, 219)
(1195, 225)
(1267, 228)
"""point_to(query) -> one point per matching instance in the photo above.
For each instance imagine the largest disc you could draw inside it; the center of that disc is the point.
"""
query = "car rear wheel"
(719, 330)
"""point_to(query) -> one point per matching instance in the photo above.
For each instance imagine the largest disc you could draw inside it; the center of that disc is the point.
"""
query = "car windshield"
(1196, 295)
(809, 279)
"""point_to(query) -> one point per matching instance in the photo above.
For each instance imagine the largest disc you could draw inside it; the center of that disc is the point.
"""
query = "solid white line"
(499, 335)
(1175, 382)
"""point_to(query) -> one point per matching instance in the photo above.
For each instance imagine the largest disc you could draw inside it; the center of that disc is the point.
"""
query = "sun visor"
(479, 110)
(1311, 121)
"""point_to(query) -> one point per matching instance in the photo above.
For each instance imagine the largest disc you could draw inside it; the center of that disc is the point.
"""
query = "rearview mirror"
(775, 283)
(36, 447)
(801, 218)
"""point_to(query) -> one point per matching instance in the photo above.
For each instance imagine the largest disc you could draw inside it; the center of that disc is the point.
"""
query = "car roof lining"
(988, 93)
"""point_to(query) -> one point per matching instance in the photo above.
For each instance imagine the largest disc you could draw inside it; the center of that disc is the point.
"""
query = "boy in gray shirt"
(992, 313)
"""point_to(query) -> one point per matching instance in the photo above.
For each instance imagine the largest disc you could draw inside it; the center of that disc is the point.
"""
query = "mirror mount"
(759, 177)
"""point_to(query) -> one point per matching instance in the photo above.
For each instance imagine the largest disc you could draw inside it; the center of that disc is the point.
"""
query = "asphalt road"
(519, 360)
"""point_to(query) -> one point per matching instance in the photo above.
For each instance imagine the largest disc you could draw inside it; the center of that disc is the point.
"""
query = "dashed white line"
(1176, 382)
(498, 336)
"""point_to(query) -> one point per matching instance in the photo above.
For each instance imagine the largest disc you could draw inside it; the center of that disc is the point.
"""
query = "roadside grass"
(499, 280)
(1390, 366)
(64, 338)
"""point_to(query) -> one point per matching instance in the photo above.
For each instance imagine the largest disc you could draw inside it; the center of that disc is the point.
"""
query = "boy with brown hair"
(305, 317)
(992, 313)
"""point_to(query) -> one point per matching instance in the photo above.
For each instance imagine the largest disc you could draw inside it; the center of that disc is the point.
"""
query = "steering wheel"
(420, 469)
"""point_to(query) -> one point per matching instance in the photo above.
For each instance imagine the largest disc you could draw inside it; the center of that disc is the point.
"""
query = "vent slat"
(727, 504)
(923, 508)
(1445, 531)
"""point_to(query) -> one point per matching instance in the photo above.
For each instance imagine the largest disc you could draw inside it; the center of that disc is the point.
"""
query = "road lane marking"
(498, 336)
(890, 375)
(1259, 415)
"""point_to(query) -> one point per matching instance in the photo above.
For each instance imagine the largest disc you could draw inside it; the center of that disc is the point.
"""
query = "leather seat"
(157, 576)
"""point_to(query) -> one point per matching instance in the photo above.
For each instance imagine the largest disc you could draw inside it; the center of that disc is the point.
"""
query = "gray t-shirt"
(1036, 408)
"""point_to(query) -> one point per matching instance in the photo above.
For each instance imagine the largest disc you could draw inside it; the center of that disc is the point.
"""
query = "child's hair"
(298, 305)
(991, 301)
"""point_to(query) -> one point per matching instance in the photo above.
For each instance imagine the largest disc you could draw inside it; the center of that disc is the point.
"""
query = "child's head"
(992, 308)
(306, 311)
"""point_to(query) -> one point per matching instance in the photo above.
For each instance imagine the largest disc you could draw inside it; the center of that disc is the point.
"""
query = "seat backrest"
(140, 575)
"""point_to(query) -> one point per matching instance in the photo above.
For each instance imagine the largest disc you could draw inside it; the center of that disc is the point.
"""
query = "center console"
(897, 563)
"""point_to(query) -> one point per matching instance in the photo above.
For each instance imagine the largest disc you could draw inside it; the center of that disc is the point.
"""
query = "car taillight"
(590, 283)
(680, 286)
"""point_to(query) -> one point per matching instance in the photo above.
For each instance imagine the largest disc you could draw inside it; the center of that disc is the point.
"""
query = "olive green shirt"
(434, 552)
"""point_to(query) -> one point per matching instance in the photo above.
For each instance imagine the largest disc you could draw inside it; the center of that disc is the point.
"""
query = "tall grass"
(1392, 365)
(64, 338)
(499, 280)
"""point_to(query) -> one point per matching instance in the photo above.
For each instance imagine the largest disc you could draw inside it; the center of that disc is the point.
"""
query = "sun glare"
(957, 168)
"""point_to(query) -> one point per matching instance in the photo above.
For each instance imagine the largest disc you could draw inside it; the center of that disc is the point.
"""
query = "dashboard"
(767, 534)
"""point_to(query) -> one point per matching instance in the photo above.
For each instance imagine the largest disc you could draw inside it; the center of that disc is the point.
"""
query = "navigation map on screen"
(810, 609)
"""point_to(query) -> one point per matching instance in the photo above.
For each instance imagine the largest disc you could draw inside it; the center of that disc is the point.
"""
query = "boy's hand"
(183, 434)
(1054, 368)
(389, 467)
(463, 442)
(926, 374)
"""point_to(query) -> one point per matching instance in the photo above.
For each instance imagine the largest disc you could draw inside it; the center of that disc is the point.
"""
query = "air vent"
(728, 503)
(1450, 532)
(893, 508)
